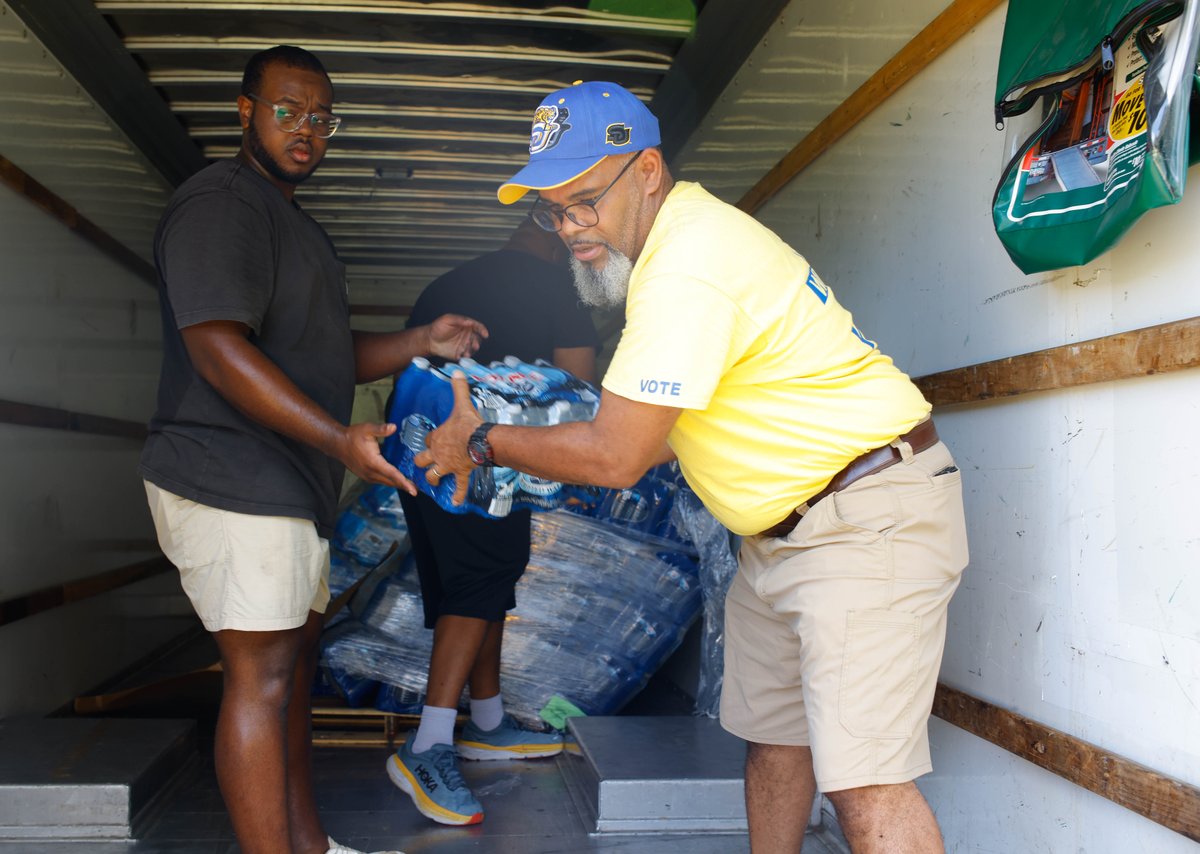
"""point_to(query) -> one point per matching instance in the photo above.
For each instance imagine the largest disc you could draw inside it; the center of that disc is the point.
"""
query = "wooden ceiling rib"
(490, 13)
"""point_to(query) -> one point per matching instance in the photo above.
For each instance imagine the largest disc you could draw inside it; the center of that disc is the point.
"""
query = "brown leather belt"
(921, 437)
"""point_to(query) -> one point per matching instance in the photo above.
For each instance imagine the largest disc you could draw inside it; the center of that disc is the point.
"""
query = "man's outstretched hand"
(360, 453)
(453, 337)
(446, 451)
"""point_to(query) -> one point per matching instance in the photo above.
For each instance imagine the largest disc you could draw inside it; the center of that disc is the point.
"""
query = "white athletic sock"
(437, 727)
(487, 714)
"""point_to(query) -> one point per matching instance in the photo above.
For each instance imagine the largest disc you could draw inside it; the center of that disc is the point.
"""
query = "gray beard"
(604, 287)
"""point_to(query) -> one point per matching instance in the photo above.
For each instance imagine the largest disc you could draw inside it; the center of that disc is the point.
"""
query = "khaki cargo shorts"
(834, 633)
(244, 572)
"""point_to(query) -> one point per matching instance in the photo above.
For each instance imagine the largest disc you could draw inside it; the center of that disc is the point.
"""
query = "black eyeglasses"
(583, 214)
(291, 120)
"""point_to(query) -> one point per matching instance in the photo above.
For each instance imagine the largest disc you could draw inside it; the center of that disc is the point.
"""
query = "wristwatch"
(479, 449)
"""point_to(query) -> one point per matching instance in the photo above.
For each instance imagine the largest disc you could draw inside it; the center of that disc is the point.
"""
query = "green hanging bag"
(1096, 99)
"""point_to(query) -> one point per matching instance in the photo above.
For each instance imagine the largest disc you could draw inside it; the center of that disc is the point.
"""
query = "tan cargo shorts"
(834, 633)
(243, 572)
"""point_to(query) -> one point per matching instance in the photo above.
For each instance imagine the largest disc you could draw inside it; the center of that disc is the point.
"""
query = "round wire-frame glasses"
(582, 213)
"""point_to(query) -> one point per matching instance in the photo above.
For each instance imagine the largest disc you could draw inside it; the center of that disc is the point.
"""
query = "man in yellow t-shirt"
(795, 431)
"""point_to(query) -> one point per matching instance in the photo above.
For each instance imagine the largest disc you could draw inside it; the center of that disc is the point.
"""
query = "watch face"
(478, 447)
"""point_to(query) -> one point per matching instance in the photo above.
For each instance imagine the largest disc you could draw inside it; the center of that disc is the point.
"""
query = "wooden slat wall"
(23, 184)
(47, 598)
(31, 415)
(1171, 803)
(1138, 353)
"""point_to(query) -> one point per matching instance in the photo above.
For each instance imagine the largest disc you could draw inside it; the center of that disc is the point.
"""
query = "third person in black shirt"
(469, 565)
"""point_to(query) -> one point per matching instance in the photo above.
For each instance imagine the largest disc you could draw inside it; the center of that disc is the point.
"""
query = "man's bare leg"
(251, 745)
(779, 794)
(305, 824)
(485, 674)
(456, 645)
(887, 820)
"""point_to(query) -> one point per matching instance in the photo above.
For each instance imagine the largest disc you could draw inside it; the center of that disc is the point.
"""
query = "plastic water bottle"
(504, 490)
(436, 399)
(409, 441)
(488, 376)
(538, 492)
(409, 385)
(383, 501)
(366, 541)
(675, 592)
(491, 396)
(530, 385)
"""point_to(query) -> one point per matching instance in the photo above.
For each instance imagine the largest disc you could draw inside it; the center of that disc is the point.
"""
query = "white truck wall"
(1081, 605)
(78, 332)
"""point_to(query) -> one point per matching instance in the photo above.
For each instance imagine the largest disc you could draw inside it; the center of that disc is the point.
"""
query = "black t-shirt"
(529, 306)
(231, 247)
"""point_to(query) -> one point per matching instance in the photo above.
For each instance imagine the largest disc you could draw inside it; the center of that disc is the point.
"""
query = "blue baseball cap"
(574, 129)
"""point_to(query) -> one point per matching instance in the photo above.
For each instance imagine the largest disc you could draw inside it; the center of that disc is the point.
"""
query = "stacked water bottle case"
(611, 587)
(507, 392)
(598, 611)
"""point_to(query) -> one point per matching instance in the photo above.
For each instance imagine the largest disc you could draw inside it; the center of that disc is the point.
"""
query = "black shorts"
(468, 565)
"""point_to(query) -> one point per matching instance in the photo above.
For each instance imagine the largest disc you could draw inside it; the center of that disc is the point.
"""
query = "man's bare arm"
(380, 354)
(625, 439)
(241, 373)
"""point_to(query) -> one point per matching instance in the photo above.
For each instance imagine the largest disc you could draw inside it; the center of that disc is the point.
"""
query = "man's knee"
(783, 764)
(887, 818)
(868, 801)
(264, 662)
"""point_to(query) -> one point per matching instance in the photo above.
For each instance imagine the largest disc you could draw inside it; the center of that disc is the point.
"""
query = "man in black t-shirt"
(244, 462)
(469, 565)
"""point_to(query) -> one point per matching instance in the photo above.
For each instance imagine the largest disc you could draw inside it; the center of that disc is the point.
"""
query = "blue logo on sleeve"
(822, 291)
(861, 337)
(666, 388)
(817, 286)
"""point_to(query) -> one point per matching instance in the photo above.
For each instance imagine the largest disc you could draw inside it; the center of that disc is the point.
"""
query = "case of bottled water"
(599, 608)
(611, 588)
(370, 527)
(505, 392)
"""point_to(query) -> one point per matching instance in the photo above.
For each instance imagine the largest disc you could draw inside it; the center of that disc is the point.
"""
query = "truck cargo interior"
(1067, 713)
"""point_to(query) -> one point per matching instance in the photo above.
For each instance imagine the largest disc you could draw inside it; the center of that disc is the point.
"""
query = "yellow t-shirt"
(778, 387)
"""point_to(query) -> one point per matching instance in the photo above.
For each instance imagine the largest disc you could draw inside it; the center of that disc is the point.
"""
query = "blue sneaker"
(507, 741)
(432, 780)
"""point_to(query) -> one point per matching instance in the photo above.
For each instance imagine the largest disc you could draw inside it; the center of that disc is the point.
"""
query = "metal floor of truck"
(653, 760)
(528, 810)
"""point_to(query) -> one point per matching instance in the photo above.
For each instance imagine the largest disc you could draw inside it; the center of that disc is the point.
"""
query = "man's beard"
(604, 287)
(259, 152)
